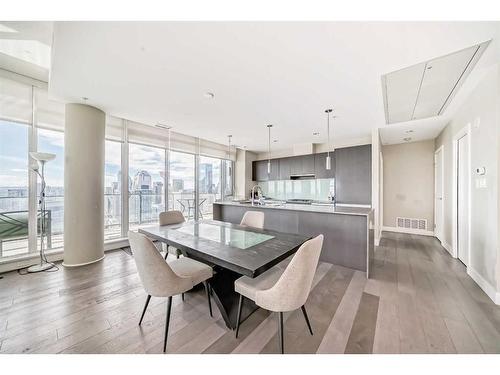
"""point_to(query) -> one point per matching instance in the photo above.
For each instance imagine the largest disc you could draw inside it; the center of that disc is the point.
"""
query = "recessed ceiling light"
(85, 98)
(275, 140)
(429, 67)
(407, 139)
(209, 95)
(316, 133)
(409, 131)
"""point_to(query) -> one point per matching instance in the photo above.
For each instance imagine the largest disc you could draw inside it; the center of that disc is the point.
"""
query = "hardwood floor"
(420, 300)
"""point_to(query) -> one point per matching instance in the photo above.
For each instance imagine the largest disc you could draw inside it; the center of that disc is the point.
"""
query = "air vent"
(409, 223)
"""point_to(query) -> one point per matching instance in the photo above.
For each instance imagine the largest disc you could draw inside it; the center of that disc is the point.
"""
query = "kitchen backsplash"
(315, 189)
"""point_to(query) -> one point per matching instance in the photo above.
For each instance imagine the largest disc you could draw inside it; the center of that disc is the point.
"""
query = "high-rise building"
(206, 178)
(142, 181)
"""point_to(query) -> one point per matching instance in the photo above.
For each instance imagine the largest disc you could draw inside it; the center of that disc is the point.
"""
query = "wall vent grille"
(409, 223)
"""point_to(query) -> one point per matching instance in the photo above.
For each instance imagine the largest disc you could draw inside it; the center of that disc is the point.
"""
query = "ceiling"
(424, 90)
(25, 48)
(283, 73)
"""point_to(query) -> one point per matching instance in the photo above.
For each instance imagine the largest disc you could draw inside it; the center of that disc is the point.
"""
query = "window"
(13, 188)
(181, 185)
(112, 190)
(53, 142)
(146, 184)
(210, 185)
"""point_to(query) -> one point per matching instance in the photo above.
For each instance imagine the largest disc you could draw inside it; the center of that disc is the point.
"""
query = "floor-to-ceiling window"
(52, 142)
(13, 188)
(147, 183)
(210, 184)
(182, 183)
(112, 190)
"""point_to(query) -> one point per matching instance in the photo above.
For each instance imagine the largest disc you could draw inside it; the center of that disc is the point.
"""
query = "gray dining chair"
(254, 219)
(170, 218)
(283, 289)
(166, 279)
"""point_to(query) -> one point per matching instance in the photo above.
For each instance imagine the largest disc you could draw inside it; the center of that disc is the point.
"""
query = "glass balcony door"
(181, 184)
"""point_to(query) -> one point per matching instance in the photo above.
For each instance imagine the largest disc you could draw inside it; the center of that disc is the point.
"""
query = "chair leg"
(307, 319)
(178, 254)
(238, 317)
(280, 331)
(145, 307)
(169, 308)
(207, 289)
(182, 296)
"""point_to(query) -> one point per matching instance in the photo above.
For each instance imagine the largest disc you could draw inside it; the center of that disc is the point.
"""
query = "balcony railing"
(144, 209)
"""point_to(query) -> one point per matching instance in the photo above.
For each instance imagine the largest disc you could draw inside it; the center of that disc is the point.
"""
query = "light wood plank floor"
(419, 300)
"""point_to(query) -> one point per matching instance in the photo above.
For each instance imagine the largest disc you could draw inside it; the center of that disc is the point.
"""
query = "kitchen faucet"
(252, 194)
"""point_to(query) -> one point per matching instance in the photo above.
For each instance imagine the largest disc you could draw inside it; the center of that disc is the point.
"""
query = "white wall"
(243, 173)
(480, 109)
(409, 182)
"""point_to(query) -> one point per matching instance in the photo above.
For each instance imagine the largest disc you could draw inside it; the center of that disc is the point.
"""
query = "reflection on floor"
(420, 300)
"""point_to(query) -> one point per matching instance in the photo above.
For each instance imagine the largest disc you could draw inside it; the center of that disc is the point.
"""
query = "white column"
(83, 185)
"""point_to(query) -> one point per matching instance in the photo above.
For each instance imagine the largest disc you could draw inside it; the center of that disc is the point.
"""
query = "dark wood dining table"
(232, 250)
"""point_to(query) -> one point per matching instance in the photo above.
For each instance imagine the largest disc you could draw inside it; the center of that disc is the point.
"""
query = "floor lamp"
(42, 158)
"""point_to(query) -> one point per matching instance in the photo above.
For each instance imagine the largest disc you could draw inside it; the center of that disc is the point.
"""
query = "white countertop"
(327, 209)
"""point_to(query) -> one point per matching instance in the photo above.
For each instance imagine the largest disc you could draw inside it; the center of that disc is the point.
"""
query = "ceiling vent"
(425, 90)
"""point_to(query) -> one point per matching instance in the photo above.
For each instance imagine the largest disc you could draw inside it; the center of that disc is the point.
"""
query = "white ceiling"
(281, 73)
(25, 48)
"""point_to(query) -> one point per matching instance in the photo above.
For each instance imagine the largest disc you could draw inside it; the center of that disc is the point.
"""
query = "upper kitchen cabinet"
(320, 170)
(302, 165)
(259, 170)
(285, 168)
(353, 175)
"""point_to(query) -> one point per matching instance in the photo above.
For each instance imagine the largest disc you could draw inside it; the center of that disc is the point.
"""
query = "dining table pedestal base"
(224, 295)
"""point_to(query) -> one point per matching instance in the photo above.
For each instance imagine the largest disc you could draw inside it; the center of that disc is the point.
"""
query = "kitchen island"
(348, 230)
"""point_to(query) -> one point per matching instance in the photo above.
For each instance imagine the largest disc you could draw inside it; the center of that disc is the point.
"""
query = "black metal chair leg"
(145, 307)
(178, 254)
(182, 296)
(169, 307)
(280, 331)
(238, 317)
(307, 319)
(207, 289)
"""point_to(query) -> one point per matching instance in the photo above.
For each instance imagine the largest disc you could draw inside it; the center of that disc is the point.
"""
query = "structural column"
(84, 139)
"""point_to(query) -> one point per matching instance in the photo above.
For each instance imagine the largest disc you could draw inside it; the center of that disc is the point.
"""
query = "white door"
(463, 199)
(438, 194)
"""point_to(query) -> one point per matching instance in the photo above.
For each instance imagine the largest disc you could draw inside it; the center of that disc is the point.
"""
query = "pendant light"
(269, 149)
(229, 151)
(328, 158)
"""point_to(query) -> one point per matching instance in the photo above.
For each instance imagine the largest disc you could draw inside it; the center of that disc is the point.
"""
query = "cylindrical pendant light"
(269, 149)
(328, 158)
(229, 151)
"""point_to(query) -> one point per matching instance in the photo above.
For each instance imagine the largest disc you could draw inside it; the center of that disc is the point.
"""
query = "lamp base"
(40, 267)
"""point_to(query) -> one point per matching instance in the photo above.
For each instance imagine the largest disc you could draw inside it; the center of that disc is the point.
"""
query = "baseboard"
(448, 247)
(484, 285)
(409, 231)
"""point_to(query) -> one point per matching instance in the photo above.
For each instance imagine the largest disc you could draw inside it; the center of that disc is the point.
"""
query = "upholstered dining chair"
(283, 289)
(166, 279)
(254, 219)
(170, 218)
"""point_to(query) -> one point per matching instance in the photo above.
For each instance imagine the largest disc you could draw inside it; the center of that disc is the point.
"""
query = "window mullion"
(32, 180)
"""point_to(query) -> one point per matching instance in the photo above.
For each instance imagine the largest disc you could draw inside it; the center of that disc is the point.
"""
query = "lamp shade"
(42, 156)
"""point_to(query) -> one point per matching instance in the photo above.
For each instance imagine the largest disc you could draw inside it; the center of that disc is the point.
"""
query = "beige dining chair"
(281, 290)
(170, 218)
(166, 279)
(254, 219)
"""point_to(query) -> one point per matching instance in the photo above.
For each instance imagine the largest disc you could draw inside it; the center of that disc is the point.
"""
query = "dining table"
(232, 251)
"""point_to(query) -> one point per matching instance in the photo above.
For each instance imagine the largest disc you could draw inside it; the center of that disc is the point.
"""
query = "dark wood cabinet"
(301, 165)
(285, 168)
(353, 175)
(259, 170)
(320, 170)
